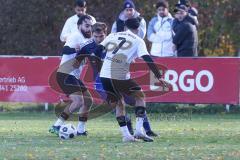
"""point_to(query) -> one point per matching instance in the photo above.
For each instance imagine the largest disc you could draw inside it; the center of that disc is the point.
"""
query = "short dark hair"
(162, 3)
(80, 3)
(83, 18)
(132, 23)
(99, 27)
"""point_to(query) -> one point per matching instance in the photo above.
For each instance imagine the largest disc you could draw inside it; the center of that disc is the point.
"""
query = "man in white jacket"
(160, 32)
(70, 25)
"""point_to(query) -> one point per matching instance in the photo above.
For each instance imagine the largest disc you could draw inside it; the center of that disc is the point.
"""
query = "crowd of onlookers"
(169, 35)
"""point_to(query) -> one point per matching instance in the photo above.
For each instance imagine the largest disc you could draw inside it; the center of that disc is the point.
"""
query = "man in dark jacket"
(186, 37)
(129, 11)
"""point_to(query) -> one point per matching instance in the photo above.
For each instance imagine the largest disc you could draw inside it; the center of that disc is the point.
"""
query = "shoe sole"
(132, 141)
(152, 135)
(145, 139)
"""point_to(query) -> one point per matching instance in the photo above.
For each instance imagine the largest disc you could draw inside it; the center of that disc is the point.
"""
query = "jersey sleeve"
(65, 31)
(142, 49)
(106, 40)
(100, 51)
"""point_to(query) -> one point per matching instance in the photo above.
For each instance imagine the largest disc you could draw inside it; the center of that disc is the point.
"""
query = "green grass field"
(25, 136)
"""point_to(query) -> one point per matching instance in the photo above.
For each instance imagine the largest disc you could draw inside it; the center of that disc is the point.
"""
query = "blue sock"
(129, 123)
(146, 124)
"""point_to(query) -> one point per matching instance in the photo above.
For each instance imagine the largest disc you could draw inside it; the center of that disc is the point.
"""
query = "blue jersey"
(92, 48)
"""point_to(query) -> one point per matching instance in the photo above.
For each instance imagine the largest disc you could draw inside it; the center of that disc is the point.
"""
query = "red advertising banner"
(201, 80)
(194, 80)
(25, 79)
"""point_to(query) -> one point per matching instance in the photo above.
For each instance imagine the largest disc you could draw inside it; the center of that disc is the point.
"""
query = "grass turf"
(25, 136)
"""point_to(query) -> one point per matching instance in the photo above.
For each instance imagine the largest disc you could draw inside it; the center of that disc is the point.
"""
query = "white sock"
(125, 131)
(59, 122)
(81, 127)
(139, 124)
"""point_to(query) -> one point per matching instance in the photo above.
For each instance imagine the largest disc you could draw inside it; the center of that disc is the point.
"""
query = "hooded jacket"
(161, 35)
(119, 24)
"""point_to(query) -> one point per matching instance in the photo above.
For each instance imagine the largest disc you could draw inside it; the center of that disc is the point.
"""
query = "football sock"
(59, 122)
(139, 124)
(125, 131)
(140, 112)
(123, 126)
(61, 119)
(82, 125)
(146, 124)
(129, 124)
(64, 116)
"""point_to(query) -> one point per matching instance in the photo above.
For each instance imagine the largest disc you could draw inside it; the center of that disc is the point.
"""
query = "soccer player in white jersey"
(68, 77)
(122, 49)
(70, 25)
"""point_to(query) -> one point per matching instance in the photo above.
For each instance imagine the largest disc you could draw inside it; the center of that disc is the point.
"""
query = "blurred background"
(32, 27)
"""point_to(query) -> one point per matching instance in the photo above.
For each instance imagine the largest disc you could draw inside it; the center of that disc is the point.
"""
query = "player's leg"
(61, 117)
(84, 113)
(76, 101)
(140, 110)
(121, 118)
(71, 87)
(146, 124)
(147, 127)
(130, 101)
(133, 90)
(114, 99)
(129, 124)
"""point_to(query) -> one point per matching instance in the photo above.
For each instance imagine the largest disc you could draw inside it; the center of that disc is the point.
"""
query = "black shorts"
(117, 89)
(69, 84)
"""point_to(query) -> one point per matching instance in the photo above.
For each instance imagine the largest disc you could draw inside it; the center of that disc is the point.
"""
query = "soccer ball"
(67, 131)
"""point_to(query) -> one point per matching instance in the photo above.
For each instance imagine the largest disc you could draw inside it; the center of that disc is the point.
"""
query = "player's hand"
(77, 48)
(76, 64)
(164, 83)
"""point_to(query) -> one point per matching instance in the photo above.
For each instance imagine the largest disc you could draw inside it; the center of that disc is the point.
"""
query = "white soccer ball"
(67, 131)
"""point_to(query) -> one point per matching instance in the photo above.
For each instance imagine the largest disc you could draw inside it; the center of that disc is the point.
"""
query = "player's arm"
(68, 50)
(65, 31)
(143, 53)
(153, 67)
(100, 52)
(81, 55)
(97, 58)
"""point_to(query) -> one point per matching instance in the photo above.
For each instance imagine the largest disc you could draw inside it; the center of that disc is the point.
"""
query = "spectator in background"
(186, 37)
(191, 16)
(160, 31)
(127, 13)
(193, 12)
(70, 25)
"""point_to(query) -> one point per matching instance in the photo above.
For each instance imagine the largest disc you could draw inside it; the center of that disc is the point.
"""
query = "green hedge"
(151, 108)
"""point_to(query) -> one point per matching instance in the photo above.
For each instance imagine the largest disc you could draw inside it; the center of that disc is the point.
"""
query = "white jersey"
(70, 27)
(122, 49)
(75, 40)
